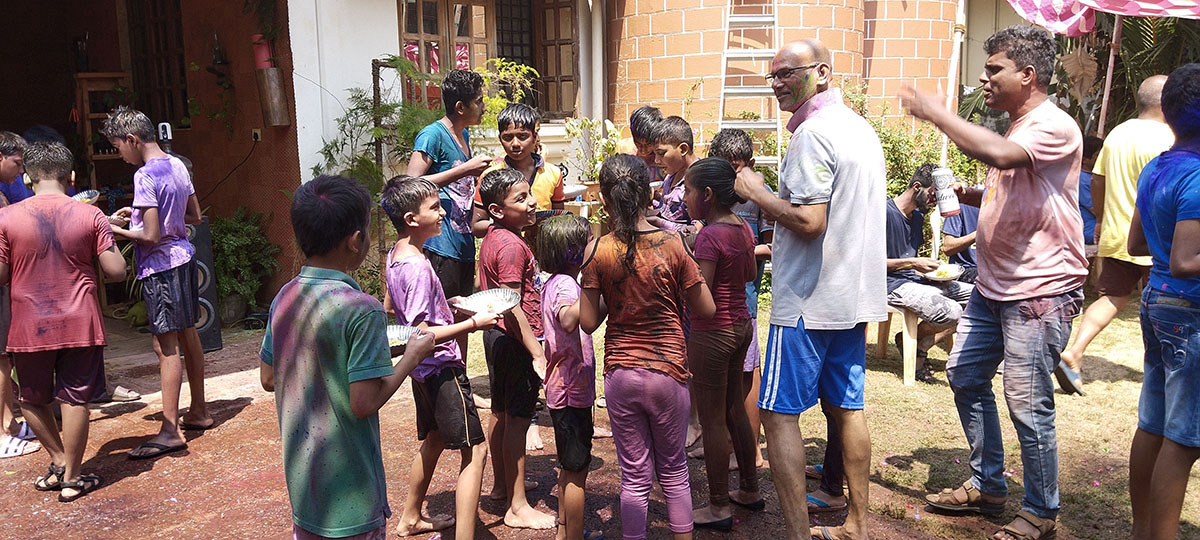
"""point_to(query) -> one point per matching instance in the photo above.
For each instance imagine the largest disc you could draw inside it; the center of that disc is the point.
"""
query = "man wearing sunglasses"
(828, 280)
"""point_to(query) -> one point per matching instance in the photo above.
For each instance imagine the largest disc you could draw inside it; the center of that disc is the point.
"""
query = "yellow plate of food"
(490, 301)
(88, 196)
(399, 334)
(945, 272)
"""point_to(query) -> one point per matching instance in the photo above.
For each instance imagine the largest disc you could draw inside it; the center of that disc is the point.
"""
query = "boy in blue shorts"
(164, 202)
(1166, 226)
(446, 414)
(515, 358)
(325, 356)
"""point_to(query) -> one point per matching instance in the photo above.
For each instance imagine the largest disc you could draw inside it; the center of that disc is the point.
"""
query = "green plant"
(242, 254)
(504, 82)
(596, 141)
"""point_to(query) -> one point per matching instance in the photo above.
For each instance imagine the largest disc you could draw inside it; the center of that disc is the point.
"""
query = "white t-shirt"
(835, 281)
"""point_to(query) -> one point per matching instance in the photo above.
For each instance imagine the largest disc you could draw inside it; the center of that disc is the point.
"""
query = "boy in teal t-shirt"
(325, 356)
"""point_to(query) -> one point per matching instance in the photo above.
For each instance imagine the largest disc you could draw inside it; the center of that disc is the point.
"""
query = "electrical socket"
(256, 134)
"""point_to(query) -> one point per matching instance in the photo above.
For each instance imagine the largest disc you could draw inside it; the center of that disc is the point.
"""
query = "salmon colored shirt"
(645, 307)
(1030, 234)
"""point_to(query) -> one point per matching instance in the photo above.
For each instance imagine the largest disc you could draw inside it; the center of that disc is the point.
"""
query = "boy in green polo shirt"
(326, 358)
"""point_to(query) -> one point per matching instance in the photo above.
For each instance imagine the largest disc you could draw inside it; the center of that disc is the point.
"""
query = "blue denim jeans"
(1171, 334)
(1027, 335)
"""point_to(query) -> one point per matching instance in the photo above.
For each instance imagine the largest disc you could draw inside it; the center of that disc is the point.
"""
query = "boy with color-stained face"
(515, 358)
(673, 151)
(518, 125)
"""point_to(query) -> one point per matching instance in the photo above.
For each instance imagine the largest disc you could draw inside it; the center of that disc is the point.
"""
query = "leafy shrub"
(242, 255)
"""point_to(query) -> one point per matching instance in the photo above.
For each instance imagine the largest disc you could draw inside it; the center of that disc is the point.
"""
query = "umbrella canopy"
(1078, 17)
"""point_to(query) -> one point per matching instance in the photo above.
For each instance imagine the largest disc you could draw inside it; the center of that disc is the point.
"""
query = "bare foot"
(196, 422)
(528, 518)
(166, 439)
(698, 453)
(481, 402)
(1072, 360)
(837, 533)
(500, 494)
(758, 464)
(601, 433)
(711, 513)
(533, 439)
(693, 435)
(424, 524)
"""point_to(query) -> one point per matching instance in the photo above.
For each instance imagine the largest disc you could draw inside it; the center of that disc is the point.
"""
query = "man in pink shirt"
(1031, 271)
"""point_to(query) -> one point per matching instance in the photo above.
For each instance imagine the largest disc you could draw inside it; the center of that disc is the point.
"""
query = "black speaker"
(208, 323)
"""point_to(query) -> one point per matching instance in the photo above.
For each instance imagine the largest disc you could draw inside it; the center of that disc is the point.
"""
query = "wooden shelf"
(98, 116)
(98, 157)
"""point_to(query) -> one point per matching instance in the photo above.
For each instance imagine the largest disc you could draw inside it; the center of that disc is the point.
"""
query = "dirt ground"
(230, 483)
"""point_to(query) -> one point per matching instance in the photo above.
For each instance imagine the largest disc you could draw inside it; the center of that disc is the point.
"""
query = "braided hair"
(625, 185)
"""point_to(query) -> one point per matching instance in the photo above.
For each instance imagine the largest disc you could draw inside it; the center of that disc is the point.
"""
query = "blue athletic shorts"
(803, 365)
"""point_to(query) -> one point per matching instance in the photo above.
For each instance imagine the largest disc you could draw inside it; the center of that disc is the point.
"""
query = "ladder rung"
(767, 161)
(741, 21)
(750, 124)
(750, 54)
(764, 91)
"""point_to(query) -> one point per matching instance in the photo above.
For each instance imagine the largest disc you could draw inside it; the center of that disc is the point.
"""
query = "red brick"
(702, 65)
(844, 18)
(637, 70)
(650, 6)
(902, 9)
(914, 68)
(888, 28)
(941, 30)
(897, 48)
(833, 38)
(929, 48)
(626, 49)
(651, 46)
(928, 9)
(685, 43)
(818, 16)
(873, 9)
(916, 29)
(637, 26)
(679, 88)
(790, 14)
(667, 22)
(666, 67)
(651, 91)
(883, 67)
(714, 41)
(701, 19)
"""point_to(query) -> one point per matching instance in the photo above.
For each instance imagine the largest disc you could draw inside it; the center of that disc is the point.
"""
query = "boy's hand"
(477, 165)
(418, 348)
(484, 321)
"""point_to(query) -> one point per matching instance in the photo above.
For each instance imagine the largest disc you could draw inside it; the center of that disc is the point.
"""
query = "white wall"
(984, 18)
(333, 43)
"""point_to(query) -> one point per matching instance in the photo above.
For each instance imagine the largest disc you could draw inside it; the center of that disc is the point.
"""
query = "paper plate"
(491, 301)
(945, 272)
(87, 196)
(398, 334)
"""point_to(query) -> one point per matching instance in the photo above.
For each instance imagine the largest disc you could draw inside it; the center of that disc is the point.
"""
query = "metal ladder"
(750, 21)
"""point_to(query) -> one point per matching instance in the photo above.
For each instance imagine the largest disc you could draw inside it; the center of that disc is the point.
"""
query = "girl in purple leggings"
(644, 275)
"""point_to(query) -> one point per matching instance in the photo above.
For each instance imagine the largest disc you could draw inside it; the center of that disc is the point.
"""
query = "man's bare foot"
(188, 421)
(835, 533)
(698, 453)
(693, 435)
(1073, 361)
(710, 514)
(528, 518)
(481, 402)
(758, 463)
(424, 524)
(500, 494)
(533, 439)
(601, 433)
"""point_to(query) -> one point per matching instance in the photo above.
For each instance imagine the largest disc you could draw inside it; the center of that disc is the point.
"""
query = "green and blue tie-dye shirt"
(325, 333)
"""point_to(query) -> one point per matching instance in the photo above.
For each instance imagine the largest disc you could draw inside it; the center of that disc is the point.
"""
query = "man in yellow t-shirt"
(1114, 187)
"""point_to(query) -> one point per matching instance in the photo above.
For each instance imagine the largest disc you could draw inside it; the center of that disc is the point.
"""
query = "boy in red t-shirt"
(48, 244)
(514, 355)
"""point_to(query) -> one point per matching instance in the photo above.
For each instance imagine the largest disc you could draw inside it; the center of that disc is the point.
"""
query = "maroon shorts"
(74, 376)
(1119, 278)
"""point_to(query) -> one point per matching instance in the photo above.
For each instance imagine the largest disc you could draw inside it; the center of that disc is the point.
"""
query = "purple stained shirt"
(570, 357)
(163, 183)
(417, 297)
(674, 212)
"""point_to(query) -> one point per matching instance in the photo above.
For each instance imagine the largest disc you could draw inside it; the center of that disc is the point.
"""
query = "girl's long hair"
(718, 175)
(625, 184)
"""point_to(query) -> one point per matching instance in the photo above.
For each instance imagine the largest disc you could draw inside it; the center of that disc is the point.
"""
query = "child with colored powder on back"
(645, 276)
(736, 147)
(446, 414)
(325, 356)
(512, 350)
(571, 369)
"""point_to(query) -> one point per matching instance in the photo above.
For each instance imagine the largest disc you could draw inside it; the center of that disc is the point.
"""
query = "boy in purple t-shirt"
(164, 201)
(446, 415)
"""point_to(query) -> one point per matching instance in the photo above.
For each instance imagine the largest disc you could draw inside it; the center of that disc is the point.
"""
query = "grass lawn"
(918, 445)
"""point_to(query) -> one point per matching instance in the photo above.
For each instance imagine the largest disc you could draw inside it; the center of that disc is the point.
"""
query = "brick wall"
(906, 41)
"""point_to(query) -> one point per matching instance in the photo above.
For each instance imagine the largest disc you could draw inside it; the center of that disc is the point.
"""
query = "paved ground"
(229, 483)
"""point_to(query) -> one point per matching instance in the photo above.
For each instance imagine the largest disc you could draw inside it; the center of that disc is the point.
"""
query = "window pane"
(481, 54)
(462, 56)
(412, 51)
(568, 96)
(435, 61)
(410, 16)
(462, 24)
(551, 52)
(550, 26)
(479, 22)
(564, 23)
(566, 64)
(429, 15)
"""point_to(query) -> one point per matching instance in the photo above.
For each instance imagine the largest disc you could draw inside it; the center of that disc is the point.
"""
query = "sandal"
(11, 447)
(966, 498)
(87, 483)
(925, 375)
(43, 483)
(1046, 528)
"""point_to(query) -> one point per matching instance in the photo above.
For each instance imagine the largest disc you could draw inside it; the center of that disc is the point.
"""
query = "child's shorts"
(74, 376)
(1171, 335)
(445, 405)
(513, 381)
(170, 298)
(573, 437)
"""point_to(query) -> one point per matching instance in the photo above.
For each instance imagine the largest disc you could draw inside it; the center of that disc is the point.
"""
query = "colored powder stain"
(1096, 483)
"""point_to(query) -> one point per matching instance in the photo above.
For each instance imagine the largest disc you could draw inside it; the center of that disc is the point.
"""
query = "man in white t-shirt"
(1031, 274)
(828, 279)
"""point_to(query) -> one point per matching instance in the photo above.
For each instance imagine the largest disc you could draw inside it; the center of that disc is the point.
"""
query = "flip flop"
(587, 535)
(11, 447)
(161, 449)
(824, 534)
(719, 525)
(817, 506)
(121, 394)
(814, 471)
(1069, 380)
(25, 433)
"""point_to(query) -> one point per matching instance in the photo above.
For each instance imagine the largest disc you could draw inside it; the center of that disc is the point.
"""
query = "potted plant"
(243, 257)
